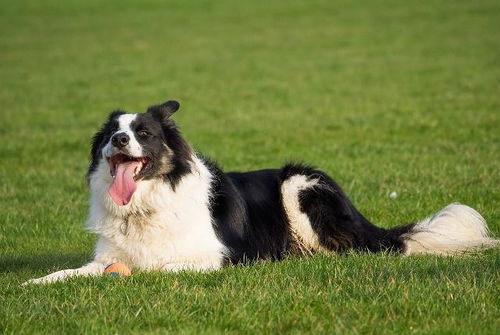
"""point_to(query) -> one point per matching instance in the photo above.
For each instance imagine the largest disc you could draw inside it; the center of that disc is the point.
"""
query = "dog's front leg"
(91, 269)
(105, 253)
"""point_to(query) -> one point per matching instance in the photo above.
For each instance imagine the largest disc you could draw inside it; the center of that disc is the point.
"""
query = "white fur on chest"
(160, 228)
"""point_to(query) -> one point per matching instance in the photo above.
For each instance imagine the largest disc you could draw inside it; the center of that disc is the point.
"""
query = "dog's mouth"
(136, 164)
(126, 171)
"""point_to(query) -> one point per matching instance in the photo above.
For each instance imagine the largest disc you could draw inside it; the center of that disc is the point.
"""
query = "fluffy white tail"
(456, 229)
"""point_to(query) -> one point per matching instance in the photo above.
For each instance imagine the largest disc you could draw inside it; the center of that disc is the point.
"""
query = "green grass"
(383, 95)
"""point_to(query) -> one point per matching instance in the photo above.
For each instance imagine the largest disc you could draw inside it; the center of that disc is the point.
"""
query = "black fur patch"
(248, 216)
(182, 153)
(100, 139)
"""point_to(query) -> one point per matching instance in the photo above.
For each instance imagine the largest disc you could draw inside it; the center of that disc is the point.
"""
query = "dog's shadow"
(42, 262)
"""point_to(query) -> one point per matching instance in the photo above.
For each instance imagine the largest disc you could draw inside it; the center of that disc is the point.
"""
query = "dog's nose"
(120, 140)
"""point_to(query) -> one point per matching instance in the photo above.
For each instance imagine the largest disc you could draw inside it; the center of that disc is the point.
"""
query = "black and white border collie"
(158, 205)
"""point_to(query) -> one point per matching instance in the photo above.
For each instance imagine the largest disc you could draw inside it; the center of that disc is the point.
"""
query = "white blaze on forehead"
(125, 120)
(124, 124)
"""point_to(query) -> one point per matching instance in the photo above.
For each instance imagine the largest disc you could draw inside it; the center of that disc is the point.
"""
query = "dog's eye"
(143, 132)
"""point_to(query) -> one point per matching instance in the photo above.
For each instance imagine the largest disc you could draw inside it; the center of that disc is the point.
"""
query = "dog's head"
(137, 147)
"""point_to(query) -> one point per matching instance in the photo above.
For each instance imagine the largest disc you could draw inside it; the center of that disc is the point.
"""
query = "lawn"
(384, 95)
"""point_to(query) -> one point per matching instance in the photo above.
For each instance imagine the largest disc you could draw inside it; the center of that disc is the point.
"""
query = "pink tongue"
(124, 185)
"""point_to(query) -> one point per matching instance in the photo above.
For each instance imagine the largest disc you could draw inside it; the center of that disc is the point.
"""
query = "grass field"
(383, 95)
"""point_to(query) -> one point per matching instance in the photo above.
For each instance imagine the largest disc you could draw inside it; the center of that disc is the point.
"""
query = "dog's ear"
(165, 110)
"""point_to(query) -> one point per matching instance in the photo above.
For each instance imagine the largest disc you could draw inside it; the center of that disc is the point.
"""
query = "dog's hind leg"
(322, 218)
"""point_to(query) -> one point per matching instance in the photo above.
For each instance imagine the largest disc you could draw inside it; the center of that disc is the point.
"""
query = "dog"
(156, 204)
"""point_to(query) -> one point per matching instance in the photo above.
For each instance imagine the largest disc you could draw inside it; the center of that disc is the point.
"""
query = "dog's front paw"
(53, 277)
(41, 280)
(32, 281)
